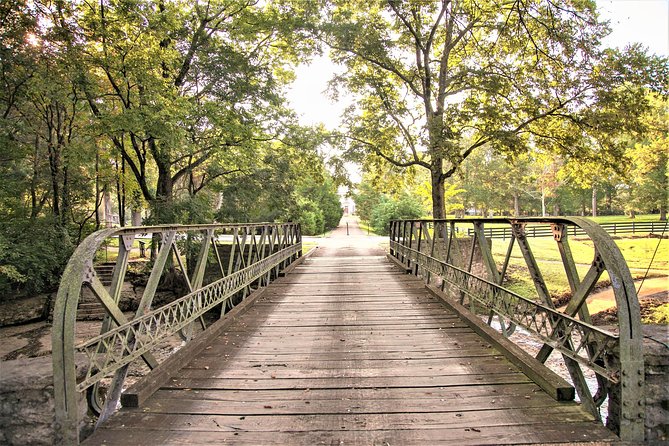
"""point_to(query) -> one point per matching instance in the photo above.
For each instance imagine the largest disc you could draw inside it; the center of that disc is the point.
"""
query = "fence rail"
(613, 228)
(240, 257)
(463, 265)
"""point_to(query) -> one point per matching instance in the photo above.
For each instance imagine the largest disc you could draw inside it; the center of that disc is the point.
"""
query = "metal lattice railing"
(539, 319)
(241, 256)
(467, 271)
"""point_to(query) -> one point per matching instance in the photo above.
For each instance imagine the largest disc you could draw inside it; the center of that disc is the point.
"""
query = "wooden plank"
(399, 265)
(296, 263)
(142, 389)
(521, 390)
(342, 434)
(550, 381)
(400, 421)
(357, 382)
(480, 365)
(198, 406)
(252, 357)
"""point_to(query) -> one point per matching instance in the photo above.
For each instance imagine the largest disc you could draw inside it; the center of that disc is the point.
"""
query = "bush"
(310, 217)
(387, 209)
(32, 257)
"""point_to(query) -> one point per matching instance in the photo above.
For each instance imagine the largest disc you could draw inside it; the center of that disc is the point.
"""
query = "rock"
(21, 311)
(656, 359)
(27, 402)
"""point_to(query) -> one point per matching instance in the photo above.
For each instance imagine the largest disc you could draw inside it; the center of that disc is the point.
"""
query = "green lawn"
(625, 218)
(636, 251)
(364, 227)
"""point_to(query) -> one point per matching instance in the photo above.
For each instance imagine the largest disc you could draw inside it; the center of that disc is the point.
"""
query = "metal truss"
(440, 252)
(255, 255)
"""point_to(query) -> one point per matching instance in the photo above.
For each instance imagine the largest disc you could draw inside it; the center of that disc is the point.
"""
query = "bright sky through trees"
(643, 21)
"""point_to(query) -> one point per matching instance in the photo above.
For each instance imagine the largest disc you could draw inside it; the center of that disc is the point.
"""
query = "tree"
(159, 102)
(438, 80)
(649, 174)
(366, 198)
(177, 85)
(388, 209)
(492, 182)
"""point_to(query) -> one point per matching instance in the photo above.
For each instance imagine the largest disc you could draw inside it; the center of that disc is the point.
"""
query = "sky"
(643, 21)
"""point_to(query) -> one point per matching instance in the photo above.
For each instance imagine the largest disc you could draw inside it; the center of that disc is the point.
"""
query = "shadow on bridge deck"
(346, 350)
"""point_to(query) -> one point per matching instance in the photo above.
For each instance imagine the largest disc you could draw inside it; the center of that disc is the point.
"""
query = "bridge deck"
(345, 350)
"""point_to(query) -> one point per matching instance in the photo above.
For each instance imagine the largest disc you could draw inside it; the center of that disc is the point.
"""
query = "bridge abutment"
(27, 401)
(656, 360)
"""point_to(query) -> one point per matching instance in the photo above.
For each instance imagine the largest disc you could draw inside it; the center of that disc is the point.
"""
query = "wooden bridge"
(343, 347)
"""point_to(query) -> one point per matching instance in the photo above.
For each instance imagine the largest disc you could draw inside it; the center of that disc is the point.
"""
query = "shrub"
(387, 209)
(32, 257)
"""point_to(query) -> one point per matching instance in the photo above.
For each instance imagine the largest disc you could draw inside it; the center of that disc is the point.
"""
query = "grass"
(307, 245)
(625, 218)
(365, 227)
(636, 251)
(657, 315)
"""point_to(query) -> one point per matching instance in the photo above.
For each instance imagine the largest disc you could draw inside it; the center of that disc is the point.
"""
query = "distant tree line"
(537, 184)
(176, 112)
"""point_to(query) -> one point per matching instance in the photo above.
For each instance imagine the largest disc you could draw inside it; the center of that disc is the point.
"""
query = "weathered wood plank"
(358, 382)
(489, 435)
(196, 405)
(550, 381)
(400, 421)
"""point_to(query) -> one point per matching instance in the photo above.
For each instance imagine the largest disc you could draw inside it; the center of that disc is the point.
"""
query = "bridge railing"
(219, 266)
(466, 270)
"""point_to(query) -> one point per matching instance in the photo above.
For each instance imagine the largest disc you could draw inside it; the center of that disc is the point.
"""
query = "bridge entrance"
(346, 349)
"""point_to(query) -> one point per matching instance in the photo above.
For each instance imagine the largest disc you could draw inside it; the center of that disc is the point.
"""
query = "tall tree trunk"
(663, 213)
(34, 208)
(161, 206)
(543, 202)
(516, 204)
(164, 188)
(54, 165)
(136, 217)
(438, 201)
(594, 200)
(120, 191)
(65, 200)
(109, 209)
(97, 188)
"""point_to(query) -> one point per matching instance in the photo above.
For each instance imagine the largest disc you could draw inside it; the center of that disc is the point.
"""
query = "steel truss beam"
(257, 253)
(437, 251)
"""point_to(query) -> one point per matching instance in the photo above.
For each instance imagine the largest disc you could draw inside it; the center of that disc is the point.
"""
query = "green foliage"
(32, 257)
(366, 199)
(310, 216)
(317, 208)
(649, 167)
(437, 81)
(387, 209)
(656, 315)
